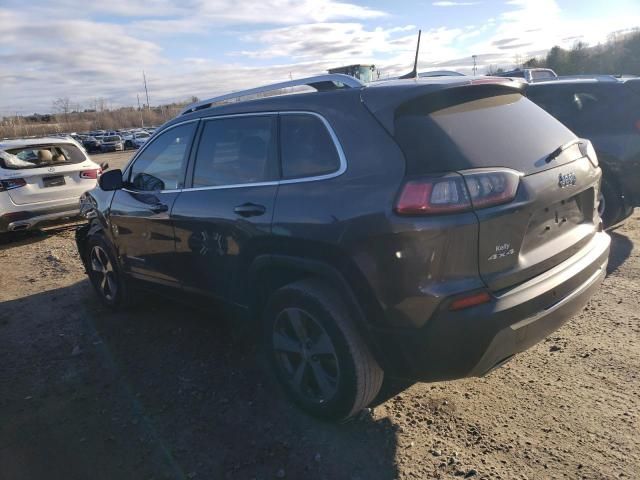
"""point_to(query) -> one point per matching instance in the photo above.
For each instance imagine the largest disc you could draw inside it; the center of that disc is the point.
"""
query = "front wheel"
(104, 273)
(318, 355)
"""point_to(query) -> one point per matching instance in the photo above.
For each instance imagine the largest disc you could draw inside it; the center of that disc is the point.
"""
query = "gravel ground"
(164, 391)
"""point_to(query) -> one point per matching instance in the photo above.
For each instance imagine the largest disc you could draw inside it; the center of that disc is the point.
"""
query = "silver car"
(41, 180)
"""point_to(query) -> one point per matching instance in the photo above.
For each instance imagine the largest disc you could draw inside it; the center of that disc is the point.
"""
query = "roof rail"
(332, 81)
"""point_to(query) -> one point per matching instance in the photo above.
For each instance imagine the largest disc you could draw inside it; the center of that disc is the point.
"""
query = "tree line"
(618, 56)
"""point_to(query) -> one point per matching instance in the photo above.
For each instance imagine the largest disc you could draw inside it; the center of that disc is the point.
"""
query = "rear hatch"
(64, 173)
(473, 127)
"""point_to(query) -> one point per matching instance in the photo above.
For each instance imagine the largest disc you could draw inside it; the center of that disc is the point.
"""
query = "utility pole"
(475, 68)
(145, 89)
(140, 110)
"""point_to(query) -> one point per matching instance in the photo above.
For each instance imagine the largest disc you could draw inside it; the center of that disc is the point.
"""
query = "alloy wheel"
(306, 355)
(103, 273)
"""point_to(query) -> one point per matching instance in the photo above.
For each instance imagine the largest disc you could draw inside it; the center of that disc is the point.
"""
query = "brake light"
(470, 301)
(445, 194)
(491, 187)
(12, 183)
(91, 174)
(587, 150)
(637, 125)
(455, 192)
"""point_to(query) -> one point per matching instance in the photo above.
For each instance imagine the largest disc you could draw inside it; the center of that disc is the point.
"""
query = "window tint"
(160, 166)
(235, 151)
(306, 147)
(501, 130)
(540, 74)
(585, 108)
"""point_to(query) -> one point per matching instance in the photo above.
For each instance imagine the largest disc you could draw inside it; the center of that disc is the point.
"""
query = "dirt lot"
(163, 391)
(114, 159)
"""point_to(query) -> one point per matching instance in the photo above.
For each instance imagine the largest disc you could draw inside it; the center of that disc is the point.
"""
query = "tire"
(104, 273)
(610, 204)
(316, 352)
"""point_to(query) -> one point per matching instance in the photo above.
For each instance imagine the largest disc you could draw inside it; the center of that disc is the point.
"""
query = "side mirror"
(111, 180)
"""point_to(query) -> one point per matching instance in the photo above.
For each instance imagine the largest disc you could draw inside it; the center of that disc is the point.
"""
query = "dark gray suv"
(416, 229)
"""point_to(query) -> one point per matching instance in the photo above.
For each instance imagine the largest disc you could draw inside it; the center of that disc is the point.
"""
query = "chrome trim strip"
(341, 169)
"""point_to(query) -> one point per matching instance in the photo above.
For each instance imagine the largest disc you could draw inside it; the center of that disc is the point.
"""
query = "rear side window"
(587, 108)
(307, 149)
(161, 164)
(235, 151)
(504, 130)
(541, 74)
(41, 156)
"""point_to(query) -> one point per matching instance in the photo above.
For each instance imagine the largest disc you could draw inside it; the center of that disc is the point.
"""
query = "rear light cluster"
(587, 150)
(12, 183)
(455, 192)
(91, 174)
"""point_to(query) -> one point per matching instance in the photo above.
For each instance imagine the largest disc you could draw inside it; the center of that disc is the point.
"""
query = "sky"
(203, 48)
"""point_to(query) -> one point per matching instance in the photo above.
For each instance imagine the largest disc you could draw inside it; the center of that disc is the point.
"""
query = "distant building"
(364, 73)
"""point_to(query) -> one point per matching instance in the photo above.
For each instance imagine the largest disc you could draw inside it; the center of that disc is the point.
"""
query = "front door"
(226, 212)
(141, 212)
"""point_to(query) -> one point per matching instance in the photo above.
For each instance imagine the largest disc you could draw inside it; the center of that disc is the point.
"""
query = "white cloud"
(73, 50)
(330, 41)
(453, 4)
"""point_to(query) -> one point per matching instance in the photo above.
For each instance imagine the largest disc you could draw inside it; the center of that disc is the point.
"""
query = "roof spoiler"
(385, 106)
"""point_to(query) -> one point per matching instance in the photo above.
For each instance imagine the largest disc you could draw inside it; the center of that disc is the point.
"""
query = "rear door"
(553, 214)
(225, 215)
(140, 212)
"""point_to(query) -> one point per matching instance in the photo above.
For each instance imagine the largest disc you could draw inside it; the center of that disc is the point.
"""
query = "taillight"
(91, 174)
(455, 192)
(12, 183)
(491, 187)
(587, 150)
(446, 194)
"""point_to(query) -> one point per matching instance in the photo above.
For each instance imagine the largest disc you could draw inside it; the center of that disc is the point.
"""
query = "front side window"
(161, 165)
(306, 147)
(236, 151)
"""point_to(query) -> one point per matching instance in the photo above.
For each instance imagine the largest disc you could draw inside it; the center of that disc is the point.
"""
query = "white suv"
(41, 180)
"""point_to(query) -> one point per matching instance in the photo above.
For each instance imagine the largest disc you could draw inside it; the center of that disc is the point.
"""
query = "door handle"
(249, 210)
(159, 208)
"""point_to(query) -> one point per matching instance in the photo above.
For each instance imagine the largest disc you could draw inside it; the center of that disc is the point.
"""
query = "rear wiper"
(556, 153)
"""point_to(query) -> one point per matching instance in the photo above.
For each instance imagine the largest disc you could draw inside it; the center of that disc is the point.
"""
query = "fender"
(361, 309)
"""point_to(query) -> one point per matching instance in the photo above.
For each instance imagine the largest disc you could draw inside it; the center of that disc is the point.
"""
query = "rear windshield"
(111, 139)
(504, 130)
(40, 156)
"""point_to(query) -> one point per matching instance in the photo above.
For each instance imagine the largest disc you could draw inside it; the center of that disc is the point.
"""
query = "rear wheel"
(317, 353)
(104, 272)
(610, 204)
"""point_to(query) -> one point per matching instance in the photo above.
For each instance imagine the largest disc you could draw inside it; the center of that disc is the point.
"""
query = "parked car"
(529, 74)
(112, 143)
(136, 139)
(92, 144)
(374, 231)
(605, 110)
(41, 180)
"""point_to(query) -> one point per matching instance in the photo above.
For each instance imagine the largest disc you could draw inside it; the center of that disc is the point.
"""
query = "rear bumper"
(27, 217)
(474, 341)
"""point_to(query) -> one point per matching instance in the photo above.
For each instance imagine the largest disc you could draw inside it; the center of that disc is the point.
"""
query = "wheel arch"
(268, 272)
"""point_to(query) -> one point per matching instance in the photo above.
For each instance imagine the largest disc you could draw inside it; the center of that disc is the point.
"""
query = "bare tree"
(63, 105)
